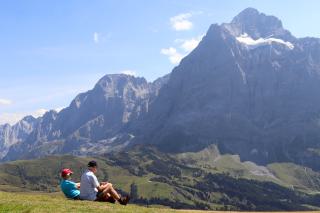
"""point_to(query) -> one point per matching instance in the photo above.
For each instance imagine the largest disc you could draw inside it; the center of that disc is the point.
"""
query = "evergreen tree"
(133, 191)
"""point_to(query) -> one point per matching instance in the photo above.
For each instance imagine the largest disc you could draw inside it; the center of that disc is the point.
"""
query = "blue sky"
(51, 50)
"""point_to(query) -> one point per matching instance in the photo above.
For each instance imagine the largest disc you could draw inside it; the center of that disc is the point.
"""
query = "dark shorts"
(100, 197)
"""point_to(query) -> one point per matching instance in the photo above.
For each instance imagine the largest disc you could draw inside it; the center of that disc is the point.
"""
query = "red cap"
(66, 172)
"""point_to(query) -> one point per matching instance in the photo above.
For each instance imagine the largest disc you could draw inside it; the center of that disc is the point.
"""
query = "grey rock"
(264, 99)
(91, 123)
(10, 135)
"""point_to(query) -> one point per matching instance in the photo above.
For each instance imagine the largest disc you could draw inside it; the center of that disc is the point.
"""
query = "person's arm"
(97, 185)
(101, 187)
(103, 183)
(74, 185)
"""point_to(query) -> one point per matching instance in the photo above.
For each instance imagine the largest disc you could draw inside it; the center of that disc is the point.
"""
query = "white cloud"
(185, 46)
(96, 37)
(174, 56)
(181, 22)
(5, 102)
(189, 44)
(12, 118)
(129, 72)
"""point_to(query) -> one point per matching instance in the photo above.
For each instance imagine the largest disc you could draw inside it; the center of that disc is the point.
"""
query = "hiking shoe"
(124, 200)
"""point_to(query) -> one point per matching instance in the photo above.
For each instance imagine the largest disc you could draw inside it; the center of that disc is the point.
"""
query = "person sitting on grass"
(68, 187)
(91, 189)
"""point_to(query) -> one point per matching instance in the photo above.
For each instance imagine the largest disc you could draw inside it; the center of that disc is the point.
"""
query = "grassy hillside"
(186, 181)
(55, 202)
(285, 174)
(297, 177)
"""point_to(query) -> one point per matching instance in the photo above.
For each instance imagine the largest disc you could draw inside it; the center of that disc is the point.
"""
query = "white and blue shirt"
(89, 184)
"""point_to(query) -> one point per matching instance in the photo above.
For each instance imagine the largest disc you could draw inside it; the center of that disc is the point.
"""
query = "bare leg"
(111, 191)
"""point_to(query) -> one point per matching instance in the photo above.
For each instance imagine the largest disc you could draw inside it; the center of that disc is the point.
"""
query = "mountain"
(92, 122)
(258, 25)
(10, 135)
(250, 87)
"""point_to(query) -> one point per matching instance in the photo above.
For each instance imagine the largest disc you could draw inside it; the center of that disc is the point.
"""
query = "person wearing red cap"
(68, 187)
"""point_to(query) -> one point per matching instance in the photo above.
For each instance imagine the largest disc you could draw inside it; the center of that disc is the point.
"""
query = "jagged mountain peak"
(251, 16)
(120, 78)
(29, 119)
(250, 29)
(116, 84)
(256, 24)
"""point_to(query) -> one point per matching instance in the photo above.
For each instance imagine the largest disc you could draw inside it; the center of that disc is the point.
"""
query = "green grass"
(285, 174)
(35, 202)
(298, 177)
(56, 202)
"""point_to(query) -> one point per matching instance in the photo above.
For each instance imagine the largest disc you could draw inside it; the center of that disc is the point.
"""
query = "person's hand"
(78, 185)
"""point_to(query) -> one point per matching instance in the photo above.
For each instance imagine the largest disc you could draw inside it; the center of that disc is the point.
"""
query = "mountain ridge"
(256, 97)
(95, 115)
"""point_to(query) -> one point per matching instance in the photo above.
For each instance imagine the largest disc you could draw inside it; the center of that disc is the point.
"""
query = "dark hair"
(92, 164)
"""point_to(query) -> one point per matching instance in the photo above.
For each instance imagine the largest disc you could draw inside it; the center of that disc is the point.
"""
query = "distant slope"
(297, 177)
(286, 174)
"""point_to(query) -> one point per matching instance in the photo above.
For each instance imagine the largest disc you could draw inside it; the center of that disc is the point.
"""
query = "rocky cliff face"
(10, 135)
(250, 87)
(92, 122)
